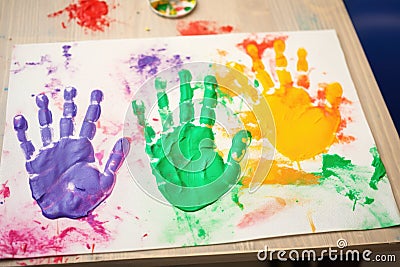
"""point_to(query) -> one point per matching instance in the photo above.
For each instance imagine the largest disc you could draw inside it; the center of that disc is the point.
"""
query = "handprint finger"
(45, 119)
(69, 113)
(163, 104)
(149, 133)
(240, 142)
(20, 126)
(117, 157)
(186, 113)
(302, 68)
(93, 112)
(207, 115)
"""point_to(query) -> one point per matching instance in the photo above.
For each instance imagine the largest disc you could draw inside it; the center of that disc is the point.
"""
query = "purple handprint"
(62, 178)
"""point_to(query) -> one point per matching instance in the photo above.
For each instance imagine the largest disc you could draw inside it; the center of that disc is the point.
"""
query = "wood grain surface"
(26, 21)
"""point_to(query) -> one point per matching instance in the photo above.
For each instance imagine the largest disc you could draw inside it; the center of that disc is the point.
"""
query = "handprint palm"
(62, 179)
(190, 173)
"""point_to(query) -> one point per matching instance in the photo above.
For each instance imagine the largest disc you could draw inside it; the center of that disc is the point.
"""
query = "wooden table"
(26, 21)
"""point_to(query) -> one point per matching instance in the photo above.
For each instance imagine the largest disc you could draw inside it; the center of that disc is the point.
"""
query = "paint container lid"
(172, 8)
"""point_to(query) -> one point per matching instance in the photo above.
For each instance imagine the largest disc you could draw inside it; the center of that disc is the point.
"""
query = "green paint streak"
(235, 197)
(139, 110)
(349, 180)
(380, 170)
(224, 97)
(354, 182)
(201, 233)
(256, 83)
(188, 169)
(188, 8)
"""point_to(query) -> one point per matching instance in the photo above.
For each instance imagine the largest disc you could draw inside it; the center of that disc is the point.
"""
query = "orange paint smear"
(311, 222)
(251, 124)
(266, 43)
(201, 27)
(303, 81)
(278, 174)
(263, 213)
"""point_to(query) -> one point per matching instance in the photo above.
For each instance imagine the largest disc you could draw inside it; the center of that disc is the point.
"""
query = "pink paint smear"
(263, 213)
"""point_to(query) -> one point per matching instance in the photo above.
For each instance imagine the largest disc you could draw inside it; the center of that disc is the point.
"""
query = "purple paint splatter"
(150, 63)
(67, 55)
(43, 60)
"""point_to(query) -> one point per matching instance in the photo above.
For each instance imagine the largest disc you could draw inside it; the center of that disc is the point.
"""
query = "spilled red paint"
(266, 43)
(58, 259)
(144, 236)
(201, 27)
(263, 213)
(91, 247)
(89, 14)
(4, 191)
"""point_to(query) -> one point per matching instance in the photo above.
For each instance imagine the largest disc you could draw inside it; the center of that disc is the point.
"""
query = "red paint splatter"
(89, 14)
(266, 43)
(201, 27)
(144, 235)
(58, 259)
(263, 213)
(4, 191)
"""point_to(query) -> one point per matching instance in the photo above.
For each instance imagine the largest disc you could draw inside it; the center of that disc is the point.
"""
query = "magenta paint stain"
(32, 241)
(127, 88)
(4, 192)
(97, 226)
(100, 155)
(88, 14)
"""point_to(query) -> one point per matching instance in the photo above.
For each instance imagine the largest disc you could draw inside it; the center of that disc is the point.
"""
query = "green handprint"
(189, 171)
